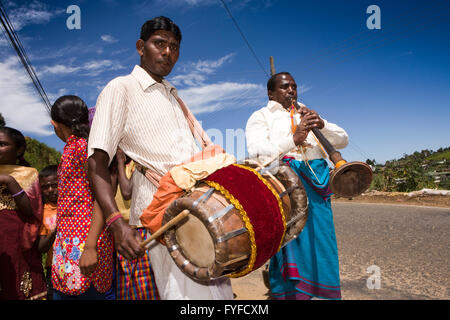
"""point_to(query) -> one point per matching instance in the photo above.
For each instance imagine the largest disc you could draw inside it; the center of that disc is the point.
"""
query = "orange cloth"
(168, 191)
(48, 225)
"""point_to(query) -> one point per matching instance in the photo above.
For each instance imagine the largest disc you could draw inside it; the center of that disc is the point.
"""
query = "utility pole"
(272, 66)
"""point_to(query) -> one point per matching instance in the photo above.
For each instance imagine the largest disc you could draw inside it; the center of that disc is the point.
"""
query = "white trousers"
(173, 284)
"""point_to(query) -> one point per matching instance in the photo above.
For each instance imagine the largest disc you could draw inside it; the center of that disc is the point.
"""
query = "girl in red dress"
(76, 212)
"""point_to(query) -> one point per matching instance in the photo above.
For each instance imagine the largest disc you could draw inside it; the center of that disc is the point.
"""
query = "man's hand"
(88, 261)
(127, 240)
(310, 120)
(311, 117)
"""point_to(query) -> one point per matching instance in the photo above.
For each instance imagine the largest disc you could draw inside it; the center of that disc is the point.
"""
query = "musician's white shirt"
(268, 133)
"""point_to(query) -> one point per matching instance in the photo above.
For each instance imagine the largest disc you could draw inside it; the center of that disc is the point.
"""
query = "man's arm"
(127, 240)
(258, 138)
(333, 133)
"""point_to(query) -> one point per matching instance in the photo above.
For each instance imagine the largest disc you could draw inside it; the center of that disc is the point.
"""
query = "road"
(408, 245)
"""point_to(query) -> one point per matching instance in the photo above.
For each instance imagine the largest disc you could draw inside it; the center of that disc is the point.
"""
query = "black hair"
(51, 170)
(72, 112)
(271, 82)
(159, 23)
(19, 141)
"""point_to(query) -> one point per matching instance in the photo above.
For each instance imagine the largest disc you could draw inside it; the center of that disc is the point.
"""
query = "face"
(8, 150)
(285, 90)
(58, 127)
(159, 53)
(49, 187)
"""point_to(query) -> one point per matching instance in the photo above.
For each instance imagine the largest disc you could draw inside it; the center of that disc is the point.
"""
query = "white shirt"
(268, 133)
(144, 119)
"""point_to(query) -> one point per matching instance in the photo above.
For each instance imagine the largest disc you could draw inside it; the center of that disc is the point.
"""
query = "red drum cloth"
(261, 206)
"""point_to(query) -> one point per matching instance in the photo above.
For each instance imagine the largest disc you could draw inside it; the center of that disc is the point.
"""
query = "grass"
(439, 156)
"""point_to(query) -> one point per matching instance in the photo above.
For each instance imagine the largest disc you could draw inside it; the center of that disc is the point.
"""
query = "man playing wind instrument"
(308, 266)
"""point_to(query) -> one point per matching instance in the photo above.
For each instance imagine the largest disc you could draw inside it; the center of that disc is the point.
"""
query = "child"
(49, 185)
(21, 275)
(77, 213)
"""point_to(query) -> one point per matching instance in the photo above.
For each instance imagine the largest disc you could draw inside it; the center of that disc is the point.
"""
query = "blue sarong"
(308, 266)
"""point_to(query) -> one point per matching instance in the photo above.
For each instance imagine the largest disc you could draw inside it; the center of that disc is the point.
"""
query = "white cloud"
(21, 106)
(34, 12)
(108, 38)
(204, 97)
(194, 73)
(303, 88)
(57, 69)
(209, 66)
(90, 68)
(219, 96)
(187, 79)
(3, 42)
(205, 66)
(53, 96)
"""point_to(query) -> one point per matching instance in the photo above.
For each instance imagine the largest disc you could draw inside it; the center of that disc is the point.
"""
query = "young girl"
(21, 275)
(76, 212)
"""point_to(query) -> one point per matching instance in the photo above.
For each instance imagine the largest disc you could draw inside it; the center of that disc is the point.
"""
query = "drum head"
(196, 242)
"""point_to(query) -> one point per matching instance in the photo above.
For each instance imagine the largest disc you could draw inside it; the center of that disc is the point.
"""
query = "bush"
(39, 155)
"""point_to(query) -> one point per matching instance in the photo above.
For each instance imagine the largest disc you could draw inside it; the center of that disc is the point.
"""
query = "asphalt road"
(386, 252)
(409, 245)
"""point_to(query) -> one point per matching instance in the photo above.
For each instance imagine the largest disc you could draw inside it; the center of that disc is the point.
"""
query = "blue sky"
(389, 87)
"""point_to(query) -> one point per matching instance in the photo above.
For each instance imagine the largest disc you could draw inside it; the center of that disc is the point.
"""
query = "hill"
(39, 155)
(443, 155)
(424, 169)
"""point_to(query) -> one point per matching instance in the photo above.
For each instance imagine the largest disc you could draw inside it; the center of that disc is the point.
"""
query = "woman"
(22, 275)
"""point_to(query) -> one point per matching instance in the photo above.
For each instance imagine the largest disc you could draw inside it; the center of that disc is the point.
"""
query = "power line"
(245, 39)
(21, 53)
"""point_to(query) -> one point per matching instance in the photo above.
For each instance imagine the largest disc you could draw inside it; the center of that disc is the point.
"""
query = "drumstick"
(183, 214)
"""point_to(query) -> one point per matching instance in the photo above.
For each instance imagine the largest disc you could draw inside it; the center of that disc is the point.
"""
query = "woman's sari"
(21, 275)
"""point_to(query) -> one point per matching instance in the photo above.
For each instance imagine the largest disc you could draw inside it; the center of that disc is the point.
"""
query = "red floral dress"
(74, 214)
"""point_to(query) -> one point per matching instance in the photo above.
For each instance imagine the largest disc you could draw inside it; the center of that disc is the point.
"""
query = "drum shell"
(297, 214)
(231, 256)
(237, 247)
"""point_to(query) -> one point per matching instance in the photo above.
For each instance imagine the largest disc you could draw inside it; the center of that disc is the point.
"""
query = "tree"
(39, 155)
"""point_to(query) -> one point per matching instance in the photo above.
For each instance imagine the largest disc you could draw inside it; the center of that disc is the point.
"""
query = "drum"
(239, 218)
(292, 191)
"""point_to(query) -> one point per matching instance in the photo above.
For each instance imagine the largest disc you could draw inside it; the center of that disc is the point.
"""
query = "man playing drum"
(308, 266)
(140, 114)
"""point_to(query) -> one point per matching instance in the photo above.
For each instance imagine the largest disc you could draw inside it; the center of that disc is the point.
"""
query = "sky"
(388, 87)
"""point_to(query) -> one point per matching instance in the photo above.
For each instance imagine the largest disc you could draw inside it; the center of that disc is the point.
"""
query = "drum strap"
(197, 131)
